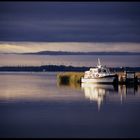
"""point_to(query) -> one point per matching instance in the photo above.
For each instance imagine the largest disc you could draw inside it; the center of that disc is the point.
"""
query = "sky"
(69, 23)
(26, 47)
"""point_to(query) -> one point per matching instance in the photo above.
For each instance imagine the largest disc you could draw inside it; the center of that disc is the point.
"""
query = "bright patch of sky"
(23, 47)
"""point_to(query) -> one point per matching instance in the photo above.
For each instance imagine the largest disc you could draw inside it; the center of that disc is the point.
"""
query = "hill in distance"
(82, 53)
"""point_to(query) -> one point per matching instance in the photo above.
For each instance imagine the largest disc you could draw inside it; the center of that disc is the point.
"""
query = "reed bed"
(67, 78)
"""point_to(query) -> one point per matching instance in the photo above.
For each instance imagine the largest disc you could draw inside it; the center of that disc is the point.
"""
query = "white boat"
(99, 74)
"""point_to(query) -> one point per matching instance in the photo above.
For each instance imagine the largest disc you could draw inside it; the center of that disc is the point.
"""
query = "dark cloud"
(70, 21)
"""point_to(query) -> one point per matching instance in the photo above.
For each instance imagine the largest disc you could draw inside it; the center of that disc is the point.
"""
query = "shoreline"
(60, 68)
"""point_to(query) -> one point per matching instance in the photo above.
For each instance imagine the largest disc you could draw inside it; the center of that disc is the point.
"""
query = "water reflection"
(76, 116)
(100, 92)
(96, 92)
(44, 87)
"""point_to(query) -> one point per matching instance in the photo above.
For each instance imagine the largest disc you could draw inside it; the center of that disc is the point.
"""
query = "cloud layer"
(70, 21)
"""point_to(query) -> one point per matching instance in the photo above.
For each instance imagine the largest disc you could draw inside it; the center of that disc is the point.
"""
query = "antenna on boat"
(99, 63)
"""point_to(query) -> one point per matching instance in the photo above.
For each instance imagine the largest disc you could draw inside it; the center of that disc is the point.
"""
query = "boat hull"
(98, 80)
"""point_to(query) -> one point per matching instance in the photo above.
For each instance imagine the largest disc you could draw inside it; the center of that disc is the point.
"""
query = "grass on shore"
(69, 77)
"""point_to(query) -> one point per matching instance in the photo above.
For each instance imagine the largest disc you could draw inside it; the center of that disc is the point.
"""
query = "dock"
(128, 77)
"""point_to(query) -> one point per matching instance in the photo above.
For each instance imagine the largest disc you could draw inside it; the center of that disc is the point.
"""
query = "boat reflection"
(100, 92)
(96, 92)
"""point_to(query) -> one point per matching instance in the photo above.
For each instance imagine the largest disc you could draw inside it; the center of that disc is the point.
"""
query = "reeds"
(68, 78)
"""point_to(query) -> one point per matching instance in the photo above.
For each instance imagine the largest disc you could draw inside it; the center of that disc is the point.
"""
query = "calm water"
(74, 60)
(34, 105)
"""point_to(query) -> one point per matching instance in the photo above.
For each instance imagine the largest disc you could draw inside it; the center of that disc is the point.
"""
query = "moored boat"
(99, 74)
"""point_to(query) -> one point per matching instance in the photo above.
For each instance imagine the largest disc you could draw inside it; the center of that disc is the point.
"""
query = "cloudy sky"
(94, 23)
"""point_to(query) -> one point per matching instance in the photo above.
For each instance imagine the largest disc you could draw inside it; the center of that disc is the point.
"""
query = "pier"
(128, 77)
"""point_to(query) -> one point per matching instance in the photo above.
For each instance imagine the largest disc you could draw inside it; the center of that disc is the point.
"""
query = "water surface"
(34, 105)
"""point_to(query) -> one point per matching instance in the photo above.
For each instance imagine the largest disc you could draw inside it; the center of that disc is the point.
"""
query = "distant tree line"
(55, 68)
(43, 68)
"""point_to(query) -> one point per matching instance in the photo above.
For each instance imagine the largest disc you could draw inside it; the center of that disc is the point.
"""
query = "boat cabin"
(97, 72)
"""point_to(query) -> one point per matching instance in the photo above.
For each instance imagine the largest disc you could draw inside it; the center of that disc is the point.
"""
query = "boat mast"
(99, 63)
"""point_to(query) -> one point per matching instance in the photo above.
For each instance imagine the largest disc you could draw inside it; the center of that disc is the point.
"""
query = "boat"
(98, 74)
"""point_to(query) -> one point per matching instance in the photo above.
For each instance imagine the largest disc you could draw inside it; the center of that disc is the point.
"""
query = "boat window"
(104, 70)
(99, 70)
